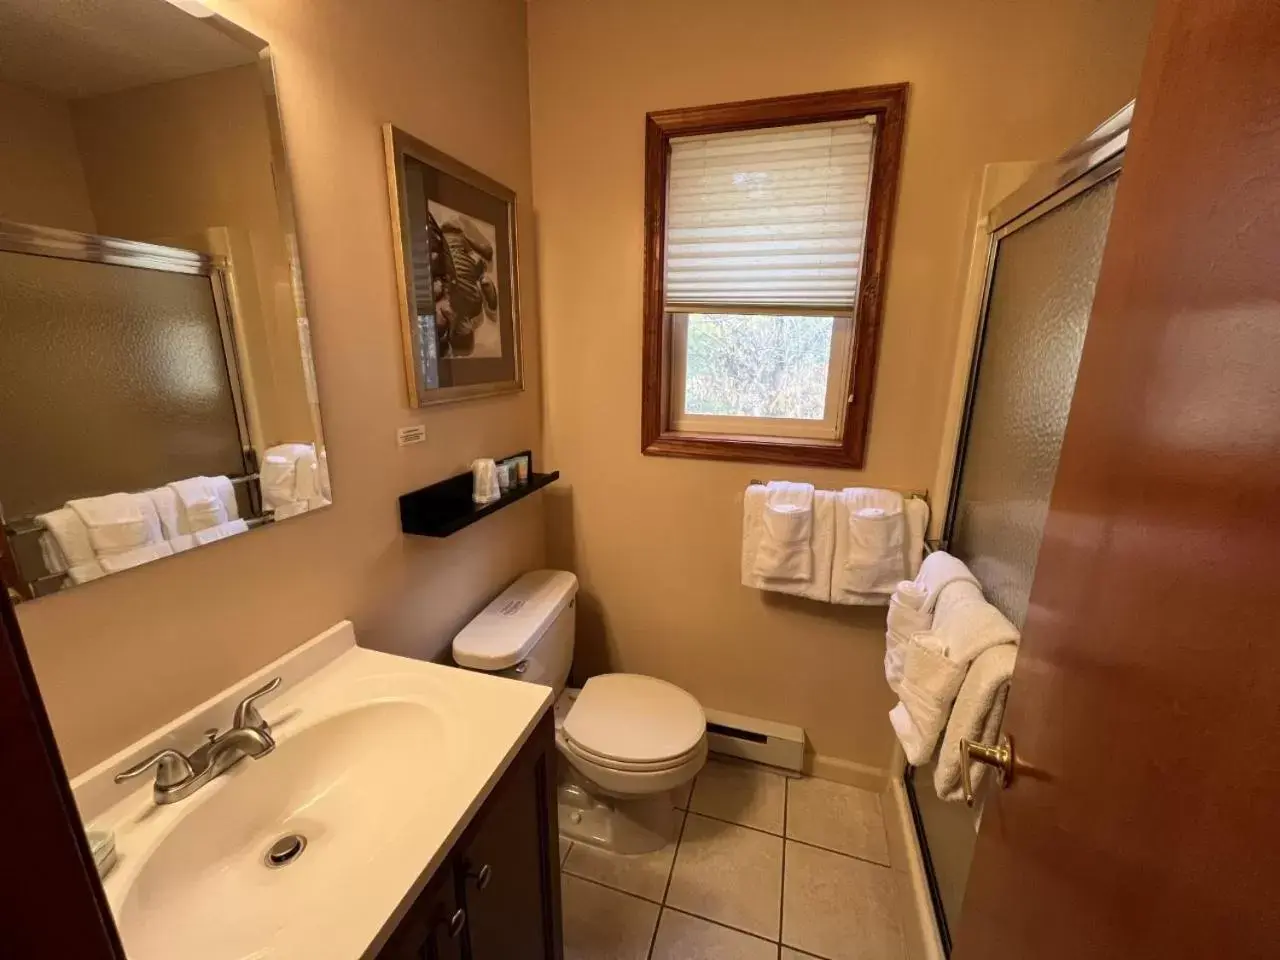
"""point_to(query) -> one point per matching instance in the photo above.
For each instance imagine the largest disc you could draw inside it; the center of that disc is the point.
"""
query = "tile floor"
(767, 867)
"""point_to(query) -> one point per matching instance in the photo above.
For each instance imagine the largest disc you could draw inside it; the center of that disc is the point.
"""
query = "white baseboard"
(846, 771)
(920, 929)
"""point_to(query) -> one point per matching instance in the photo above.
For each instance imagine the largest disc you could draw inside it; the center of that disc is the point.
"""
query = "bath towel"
(976, 716)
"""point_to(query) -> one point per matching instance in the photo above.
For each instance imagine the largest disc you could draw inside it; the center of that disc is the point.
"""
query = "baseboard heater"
(777, 744)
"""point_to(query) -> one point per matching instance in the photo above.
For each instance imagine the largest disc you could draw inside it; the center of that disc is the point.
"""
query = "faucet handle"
(247, 714)
(172, 768)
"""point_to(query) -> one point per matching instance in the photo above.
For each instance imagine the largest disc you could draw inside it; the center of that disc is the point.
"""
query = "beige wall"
(656, 541)
(166, 162)
(41, 179)
(119, 656)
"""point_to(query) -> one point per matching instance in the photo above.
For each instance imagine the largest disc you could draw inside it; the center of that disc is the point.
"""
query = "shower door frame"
(40, 241)
(1096, 158)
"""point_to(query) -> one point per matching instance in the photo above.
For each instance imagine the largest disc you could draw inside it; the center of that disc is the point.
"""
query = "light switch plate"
(414, 434)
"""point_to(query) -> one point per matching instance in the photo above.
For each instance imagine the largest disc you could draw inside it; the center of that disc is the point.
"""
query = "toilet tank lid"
(504, 632)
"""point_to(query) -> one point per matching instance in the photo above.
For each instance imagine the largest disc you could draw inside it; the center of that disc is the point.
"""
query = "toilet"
(627, 742)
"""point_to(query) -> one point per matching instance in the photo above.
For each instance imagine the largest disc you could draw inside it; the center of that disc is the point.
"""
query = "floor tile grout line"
(803, 843)
(782, 893)
(721, 924)
(653, 941)
(625, 893)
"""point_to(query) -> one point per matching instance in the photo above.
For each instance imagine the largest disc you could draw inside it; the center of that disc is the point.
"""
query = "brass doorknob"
(999, 756)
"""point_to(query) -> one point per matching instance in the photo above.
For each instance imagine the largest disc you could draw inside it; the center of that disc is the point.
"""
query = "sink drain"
(285, 850)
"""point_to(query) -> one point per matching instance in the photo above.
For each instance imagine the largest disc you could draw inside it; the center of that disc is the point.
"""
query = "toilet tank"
(526, 632)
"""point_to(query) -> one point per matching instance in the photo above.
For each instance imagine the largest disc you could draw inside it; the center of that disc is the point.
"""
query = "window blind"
(772, 217)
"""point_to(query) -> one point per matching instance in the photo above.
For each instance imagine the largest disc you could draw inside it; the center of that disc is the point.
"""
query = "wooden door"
(1146, 701)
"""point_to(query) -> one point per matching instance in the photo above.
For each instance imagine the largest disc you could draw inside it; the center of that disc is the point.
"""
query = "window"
(766, 236)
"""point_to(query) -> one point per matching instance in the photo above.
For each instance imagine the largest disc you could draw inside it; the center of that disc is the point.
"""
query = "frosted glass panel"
(111, 379)
(1038, 311)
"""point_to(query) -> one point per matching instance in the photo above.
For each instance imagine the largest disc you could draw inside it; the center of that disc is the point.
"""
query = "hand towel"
(938, 570)
(927, 689)
(875, 541)
(117, 522)
(226, 492)
(221, 532)
(783, 552)
(976, 716)
(821, 546)
(70, 550)
(169, 509)
(116, 562)
(904, 619)
(201, 506)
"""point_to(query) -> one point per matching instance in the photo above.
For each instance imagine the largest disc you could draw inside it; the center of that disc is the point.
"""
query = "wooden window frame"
(888, 105)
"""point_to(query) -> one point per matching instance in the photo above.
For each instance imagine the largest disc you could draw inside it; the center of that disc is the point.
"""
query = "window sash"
(839, 371)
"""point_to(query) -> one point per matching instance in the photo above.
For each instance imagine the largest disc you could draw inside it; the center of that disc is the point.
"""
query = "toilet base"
(621, 825)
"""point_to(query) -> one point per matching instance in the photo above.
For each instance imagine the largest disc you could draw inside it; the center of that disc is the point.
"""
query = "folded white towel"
(821, 546)
(863, 514)
(935, 661)
(937, 571)
(201, 506)
(783, 552)
(128, 559)
(976, 716)
(117, 522)
(903, 621)
(928, 686)
(966, 629)
(223, 530)
(226, 492)
(169, 509)
(183, 542)
(65, 546)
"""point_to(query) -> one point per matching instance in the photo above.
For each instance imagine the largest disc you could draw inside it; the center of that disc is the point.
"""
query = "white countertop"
(404, 797)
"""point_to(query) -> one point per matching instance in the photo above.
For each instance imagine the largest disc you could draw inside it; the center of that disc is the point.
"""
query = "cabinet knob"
(482, 877)
(457, 923)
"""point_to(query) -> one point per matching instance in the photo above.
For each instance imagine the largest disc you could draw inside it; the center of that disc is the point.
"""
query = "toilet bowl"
(626, 741)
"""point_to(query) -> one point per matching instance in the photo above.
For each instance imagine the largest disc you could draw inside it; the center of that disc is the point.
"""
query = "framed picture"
(455, 241)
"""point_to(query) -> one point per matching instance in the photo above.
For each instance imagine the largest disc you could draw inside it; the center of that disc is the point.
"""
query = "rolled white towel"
(976, 716)
(784, 550)
(937, 571)
(902, 622)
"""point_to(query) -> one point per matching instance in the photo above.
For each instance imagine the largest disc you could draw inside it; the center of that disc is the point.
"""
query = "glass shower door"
(1045, 268)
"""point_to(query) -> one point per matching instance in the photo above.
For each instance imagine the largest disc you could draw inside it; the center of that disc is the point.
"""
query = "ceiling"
(72, 49)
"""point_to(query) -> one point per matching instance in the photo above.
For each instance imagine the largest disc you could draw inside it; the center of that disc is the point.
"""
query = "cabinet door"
(435, 926)
(508, 869)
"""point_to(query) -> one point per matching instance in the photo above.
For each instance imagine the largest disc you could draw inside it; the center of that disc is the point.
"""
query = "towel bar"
(909, 494)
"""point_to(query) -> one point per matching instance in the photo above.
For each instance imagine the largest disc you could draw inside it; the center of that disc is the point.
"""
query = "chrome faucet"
(178, 775)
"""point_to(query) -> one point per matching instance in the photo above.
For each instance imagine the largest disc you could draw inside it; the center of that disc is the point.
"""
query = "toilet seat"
(632, 734)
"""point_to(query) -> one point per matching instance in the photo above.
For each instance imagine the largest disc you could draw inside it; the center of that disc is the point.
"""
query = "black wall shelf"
(444, 508)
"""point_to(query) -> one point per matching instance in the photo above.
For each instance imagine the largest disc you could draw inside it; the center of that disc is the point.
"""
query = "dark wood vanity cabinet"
(497, 895)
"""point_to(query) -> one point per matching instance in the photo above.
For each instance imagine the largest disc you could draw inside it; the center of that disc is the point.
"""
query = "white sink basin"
(379, 763)
(341, 784)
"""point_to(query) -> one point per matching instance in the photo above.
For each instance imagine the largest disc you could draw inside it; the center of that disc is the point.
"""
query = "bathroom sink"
(335, 794)
(379, 763)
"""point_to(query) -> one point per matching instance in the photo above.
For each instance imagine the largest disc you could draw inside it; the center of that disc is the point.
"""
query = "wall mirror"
(157, 390)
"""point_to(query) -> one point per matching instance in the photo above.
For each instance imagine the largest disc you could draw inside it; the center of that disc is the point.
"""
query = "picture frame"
(456, 256)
